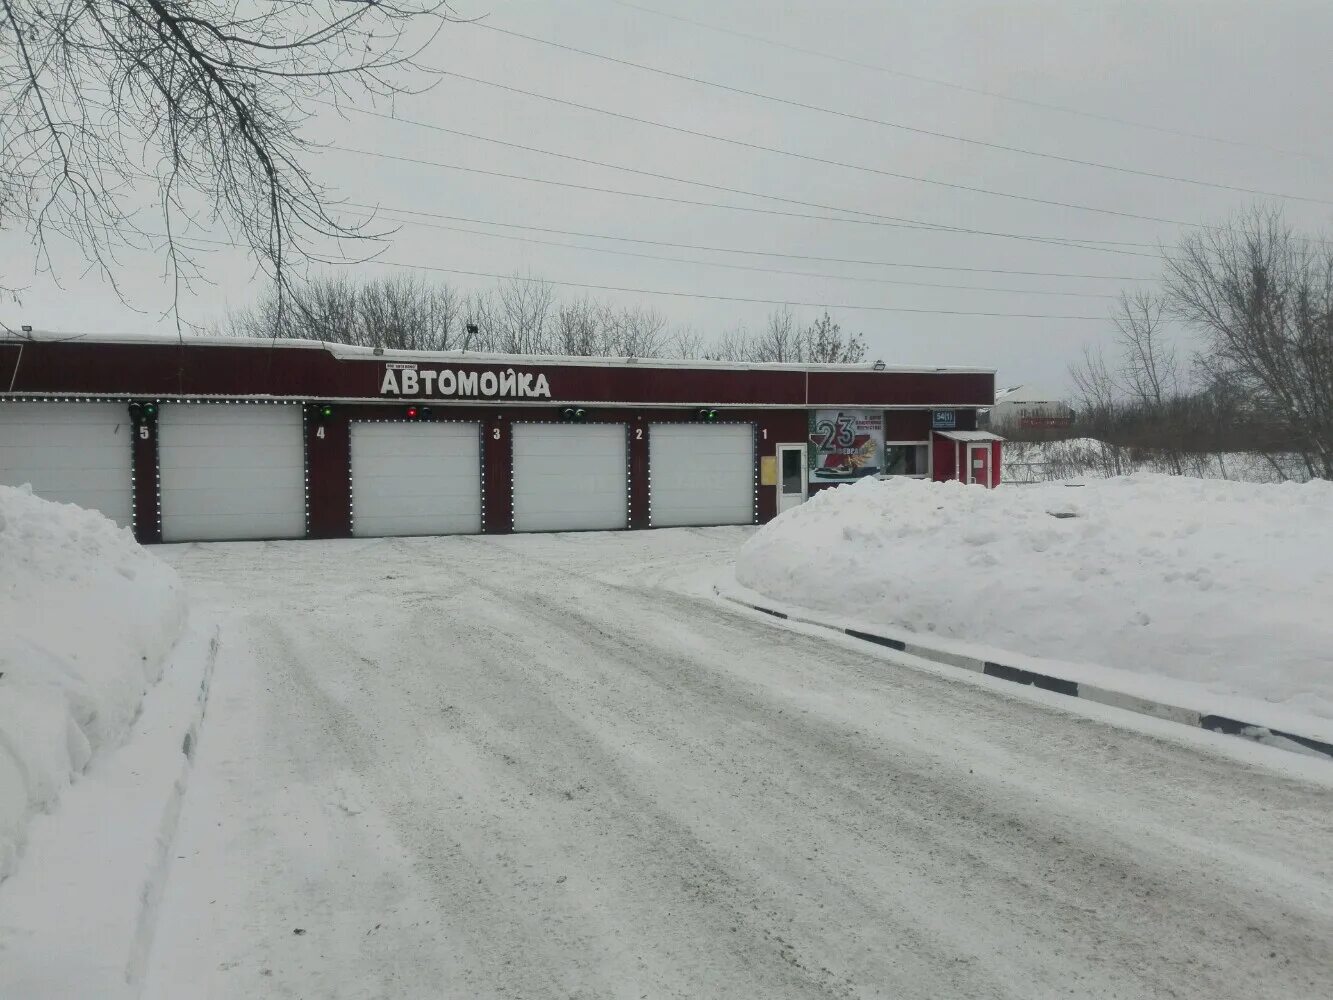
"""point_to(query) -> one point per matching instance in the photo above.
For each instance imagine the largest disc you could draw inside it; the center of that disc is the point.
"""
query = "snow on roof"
(349, 352)
(1029, 394)
(969, 435)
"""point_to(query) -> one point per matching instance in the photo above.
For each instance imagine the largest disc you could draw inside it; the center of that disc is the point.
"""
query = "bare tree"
(522, 316)
(200, 102)
(578, 328)
(825, 343)
(407, 313)
(633, 332)
(734, 344)
(325, 310)
(478, 322)
(1264, 298)
(685, 342)
(780, 340)
(399, 313)
(1095, 402)
(1148, 372)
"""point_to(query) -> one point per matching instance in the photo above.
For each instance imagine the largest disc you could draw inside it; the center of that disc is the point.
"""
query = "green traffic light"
(326, 411)
(149, 409)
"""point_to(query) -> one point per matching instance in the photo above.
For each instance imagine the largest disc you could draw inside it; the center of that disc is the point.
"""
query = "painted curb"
(1062, 685)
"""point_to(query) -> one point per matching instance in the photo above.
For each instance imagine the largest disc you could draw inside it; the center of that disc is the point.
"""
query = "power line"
(781, 152)
(742, 267)
(1056, 157)
(871, 221)
(730, 298)
(755, 253)
(652, 291)
(979, 91)
(919, 223)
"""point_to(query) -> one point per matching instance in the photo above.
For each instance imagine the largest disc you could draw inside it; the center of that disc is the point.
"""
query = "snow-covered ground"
(553, 766)
(1027, 462)
(558, 766)
(86, 617)
(1222, 586)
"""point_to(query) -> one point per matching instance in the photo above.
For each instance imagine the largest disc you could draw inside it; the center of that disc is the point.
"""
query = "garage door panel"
(701, 474)
(77, 453)
(231, 471)
(572, 503)
(577, 482)
(416, 479)
(63, 458)
(461, 515)
(570, 477)
(62, 436)
(211, 502)
(220, 465)
(415, 488)
(108, 479)
(410, 522)
(211, 417)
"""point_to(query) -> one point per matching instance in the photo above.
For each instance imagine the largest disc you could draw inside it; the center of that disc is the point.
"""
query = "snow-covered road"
(541, 766)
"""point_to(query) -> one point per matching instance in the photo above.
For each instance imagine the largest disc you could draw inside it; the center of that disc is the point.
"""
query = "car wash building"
(224, 439)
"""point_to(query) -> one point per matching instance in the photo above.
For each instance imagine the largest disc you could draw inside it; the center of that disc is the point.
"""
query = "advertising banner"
(845, 445)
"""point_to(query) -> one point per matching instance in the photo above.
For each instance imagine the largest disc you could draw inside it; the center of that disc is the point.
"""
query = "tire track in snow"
(529, 707)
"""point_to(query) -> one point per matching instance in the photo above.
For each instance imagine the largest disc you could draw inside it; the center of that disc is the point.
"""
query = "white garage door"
(416, 479)
(231, 471)
(69, 452)
(570, 477)
(700, 474)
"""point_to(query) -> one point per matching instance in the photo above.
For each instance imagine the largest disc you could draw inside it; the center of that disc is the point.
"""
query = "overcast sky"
(1255, 74)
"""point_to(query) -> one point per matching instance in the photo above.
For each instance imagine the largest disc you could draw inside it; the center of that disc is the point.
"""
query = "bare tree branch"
(204, 101)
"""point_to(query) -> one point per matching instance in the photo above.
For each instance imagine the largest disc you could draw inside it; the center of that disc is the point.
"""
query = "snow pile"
(86, 618)
(1224, 584)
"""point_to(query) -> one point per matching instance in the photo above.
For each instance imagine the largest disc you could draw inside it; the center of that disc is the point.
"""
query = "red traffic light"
(413, 413)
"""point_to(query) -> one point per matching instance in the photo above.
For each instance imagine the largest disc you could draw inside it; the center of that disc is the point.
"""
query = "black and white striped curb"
(1062, 685)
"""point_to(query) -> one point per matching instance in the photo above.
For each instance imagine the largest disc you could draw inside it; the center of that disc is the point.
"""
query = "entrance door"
(791, 476)
(978, 464)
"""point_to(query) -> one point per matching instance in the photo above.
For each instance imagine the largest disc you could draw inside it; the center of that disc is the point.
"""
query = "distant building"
(1028, 408)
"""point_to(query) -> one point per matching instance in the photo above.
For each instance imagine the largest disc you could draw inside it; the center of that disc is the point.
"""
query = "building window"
(907, 459)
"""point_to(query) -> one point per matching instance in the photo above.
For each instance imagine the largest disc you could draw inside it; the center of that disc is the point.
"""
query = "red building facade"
(212, 437)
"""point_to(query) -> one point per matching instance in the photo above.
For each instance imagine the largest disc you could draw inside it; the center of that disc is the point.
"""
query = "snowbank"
(86, 618)
(1224, 584)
